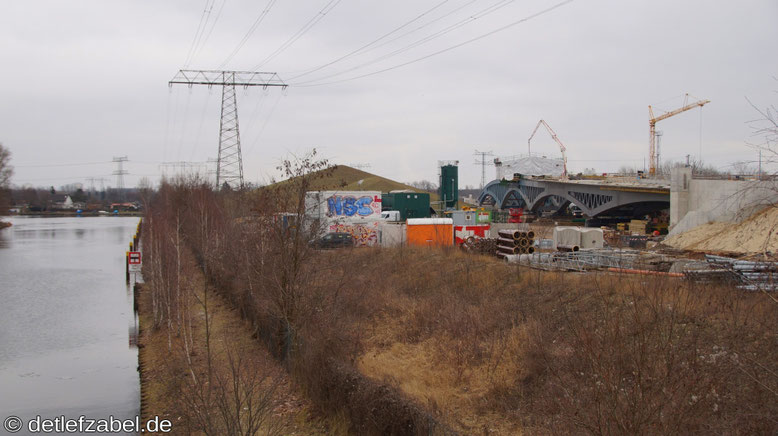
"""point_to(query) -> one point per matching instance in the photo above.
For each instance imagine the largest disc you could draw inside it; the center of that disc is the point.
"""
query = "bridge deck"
(592, 196)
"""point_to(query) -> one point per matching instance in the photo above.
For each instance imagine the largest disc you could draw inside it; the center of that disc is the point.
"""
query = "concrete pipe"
(509, 250)
(513, 234)
(511, 258)
(507, 242)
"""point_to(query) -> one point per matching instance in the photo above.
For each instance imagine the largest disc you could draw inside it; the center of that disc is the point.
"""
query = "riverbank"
(217, 365)
(73, 213)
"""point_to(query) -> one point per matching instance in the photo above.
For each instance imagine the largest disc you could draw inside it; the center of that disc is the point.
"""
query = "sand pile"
(756, 234)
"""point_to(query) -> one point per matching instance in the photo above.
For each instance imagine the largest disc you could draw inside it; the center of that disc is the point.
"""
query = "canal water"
(67, 325)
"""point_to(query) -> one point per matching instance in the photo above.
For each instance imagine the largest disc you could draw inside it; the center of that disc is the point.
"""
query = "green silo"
(449, 186)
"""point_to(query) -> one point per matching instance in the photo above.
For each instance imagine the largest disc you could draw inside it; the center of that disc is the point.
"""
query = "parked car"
(334, 240)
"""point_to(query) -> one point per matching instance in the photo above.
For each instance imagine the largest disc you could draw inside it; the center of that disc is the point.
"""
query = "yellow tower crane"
(652, 128)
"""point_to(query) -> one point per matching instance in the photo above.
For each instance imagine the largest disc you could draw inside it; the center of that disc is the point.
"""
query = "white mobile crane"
(553, 135)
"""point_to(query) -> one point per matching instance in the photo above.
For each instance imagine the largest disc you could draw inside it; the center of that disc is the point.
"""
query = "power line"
(306, 27)
(200, 127)
(59, 178)
(482, 13)
(205, 25)
(200, 29)
(500, 29)
(208, 36)
(250, 32)
(264, 125)
(62, 164)
(184, 123)
(360, 49)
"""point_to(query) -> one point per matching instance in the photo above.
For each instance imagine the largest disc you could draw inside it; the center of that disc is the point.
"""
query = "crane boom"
(553, 135)
(652, 129)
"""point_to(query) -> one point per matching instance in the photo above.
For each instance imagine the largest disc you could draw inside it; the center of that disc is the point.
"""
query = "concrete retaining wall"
(694, 202)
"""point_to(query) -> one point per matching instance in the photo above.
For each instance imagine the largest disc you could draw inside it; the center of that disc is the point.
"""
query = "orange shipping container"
(430, 231)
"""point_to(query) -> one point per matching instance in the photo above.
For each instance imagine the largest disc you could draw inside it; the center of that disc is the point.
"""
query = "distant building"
(62, 201)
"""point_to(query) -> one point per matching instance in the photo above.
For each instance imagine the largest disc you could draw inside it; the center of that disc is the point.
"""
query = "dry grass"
(490, 348)
(166, 375)
(413, 341)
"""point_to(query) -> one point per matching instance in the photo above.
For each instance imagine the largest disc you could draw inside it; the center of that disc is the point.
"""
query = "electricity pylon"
(229, 163)
(483, 162)
(120, 173)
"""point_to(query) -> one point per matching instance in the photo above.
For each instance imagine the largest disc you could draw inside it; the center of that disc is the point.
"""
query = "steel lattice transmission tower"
(229, 163)
(483, 162)
(120, 173)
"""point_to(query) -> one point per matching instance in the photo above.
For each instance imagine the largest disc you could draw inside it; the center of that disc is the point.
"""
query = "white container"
(592, 238)
(567, 236)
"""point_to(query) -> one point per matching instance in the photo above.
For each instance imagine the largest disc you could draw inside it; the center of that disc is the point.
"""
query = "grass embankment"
(345, 178)
(239, 364)
(491, 348)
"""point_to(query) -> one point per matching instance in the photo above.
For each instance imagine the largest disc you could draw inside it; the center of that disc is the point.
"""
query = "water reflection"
(67, 318)
(5, 241)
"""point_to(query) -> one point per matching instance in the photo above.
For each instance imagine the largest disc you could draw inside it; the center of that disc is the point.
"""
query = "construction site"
(429, 316)
(534, 213)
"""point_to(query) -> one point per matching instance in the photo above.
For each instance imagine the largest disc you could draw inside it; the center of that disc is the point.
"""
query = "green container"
(449, 186)
(410, 204)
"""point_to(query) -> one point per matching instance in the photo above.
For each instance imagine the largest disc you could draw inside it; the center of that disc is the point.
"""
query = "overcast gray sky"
(84, 81)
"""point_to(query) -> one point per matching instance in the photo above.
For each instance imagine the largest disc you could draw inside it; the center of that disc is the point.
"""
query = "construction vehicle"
(652, 152)
(553, 135)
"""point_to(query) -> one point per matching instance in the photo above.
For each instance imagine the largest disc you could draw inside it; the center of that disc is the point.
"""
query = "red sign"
(134, 258)
(462, 233)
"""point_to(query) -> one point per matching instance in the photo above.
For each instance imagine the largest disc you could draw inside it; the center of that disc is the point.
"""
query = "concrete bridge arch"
(593, 199)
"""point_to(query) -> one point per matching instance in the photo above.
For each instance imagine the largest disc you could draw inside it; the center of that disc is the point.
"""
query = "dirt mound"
(756, 234)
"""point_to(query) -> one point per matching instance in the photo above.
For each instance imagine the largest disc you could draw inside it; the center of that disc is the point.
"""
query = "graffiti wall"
(354, 212)
(344, 206)
(357, 206)
(365, 234)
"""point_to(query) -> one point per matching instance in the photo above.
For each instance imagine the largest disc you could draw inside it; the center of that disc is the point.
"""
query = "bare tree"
(744, 168)
(6, 171)
(425, 185)
(281, 209)
(765, 132)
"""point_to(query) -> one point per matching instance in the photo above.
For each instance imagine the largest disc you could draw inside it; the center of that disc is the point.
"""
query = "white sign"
(134, 261)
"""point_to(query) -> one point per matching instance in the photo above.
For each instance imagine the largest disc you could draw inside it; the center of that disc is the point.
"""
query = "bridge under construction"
(593, 197)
